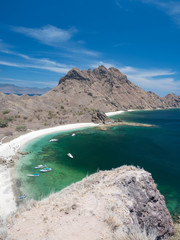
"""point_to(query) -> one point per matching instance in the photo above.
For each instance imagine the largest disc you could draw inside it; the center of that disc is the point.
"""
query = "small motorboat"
(46, 170)
(40, 166)
(22, 197)
(70, 155)
(73, 134)
(53, 140)
(33, 175)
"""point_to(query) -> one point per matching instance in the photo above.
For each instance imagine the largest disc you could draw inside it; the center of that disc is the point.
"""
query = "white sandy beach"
(7, 200)
(9, 149)
(114, 113)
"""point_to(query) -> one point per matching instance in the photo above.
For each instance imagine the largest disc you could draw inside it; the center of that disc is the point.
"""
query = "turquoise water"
(156, 149)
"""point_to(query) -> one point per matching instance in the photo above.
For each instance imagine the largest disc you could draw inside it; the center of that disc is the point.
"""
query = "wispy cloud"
(37, 60)
(118, 3)
(153, 79)
(105, 64)
(49, 35)
(83, 51)
(31, 62)
(3, 46)
(48, 68)
(25, 82)
(58, 38)
(171, 8)
(161, 81)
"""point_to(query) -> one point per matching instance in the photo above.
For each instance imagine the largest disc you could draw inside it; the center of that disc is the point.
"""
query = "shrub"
(62, 107)
(50, 115)
(10, 119)
(21, 128)
(81, 113)
(6, 111)
(3, 123)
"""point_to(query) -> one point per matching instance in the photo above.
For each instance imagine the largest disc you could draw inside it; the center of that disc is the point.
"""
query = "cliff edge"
(120, 204)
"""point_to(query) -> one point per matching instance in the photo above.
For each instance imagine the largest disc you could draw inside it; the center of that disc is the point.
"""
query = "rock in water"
(100, 117)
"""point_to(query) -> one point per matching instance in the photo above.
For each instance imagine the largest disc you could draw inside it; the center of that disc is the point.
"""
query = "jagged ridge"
(78, 94)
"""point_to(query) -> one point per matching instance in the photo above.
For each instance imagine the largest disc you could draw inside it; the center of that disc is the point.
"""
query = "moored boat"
(53, 140)
(46, 170)
(33, 175)
(22, 197)
(40, 166)
(70, 155)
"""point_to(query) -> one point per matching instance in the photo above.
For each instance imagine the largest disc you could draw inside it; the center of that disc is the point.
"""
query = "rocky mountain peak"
(171, 95)
(100, 71)
(74, 73)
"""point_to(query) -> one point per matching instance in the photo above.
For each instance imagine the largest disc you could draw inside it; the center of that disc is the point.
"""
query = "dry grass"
(98, 197)
(177, 232)
(134, 233)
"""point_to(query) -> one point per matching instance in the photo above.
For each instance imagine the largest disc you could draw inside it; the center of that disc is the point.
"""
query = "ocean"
(156, 149)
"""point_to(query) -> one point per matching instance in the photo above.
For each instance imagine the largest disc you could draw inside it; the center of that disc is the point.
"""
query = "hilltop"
(79, 94)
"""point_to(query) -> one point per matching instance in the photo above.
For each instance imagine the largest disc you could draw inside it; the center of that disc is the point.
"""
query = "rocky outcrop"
(100, 117)
(108, 204)
(148, 208)
(171, 100)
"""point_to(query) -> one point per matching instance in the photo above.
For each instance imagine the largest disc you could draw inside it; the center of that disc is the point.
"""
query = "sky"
(40, 41)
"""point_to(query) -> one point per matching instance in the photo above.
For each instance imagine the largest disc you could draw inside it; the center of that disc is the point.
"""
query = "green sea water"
(156, 149)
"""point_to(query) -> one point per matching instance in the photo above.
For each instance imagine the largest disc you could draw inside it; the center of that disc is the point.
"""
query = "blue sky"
(41, 40)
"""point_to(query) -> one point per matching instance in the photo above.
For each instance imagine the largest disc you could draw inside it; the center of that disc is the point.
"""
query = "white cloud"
(49, 35)
(3, 46)
(57, 37)
(158, 80)
(171, 8)
(90, 53)
(24, 82)
(105, 64)
(48, 68)
(119, 3)
(37, 60)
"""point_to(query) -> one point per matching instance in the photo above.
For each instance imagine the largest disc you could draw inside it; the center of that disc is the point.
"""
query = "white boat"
(33, 175)
(41, 166)
(46, 170)
(70, 155)
(53, 140)
(73, 134)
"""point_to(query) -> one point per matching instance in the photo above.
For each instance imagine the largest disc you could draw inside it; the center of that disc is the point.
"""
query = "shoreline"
(10, 150)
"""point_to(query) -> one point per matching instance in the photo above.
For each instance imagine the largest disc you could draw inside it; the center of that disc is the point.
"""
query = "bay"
(156, 149)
